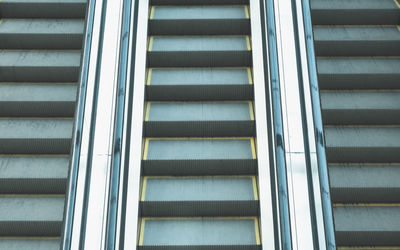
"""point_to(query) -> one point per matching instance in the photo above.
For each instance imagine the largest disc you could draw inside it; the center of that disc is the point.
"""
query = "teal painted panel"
(200, 43)
(199, 149)
(200, 111)
(199, 188)
(199, 232)
(199, 12)
(199, 76)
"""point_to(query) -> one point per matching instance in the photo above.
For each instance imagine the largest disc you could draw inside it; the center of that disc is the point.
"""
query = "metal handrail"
(78, 127)
(319, 132)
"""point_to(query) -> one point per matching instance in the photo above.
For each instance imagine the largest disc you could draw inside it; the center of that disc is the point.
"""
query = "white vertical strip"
(125, 137)
(135, 154)
(96, 219)
(87, 121)
(302, 237)
(260, 109)
(310, 128)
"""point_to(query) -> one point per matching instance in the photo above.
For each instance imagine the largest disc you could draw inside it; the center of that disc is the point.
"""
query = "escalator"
(357, 45)
(199, 185)
(40, 43)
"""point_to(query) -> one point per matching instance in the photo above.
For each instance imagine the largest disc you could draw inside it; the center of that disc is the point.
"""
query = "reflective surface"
(267, 218)
(290, 79)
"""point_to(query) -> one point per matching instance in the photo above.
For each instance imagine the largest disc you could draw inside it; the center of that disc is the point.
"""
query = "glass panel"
(180, 149)
(199, 12)
(199, 188)
(200, 111)
(199, 76)
(201, 43)
(199, 231)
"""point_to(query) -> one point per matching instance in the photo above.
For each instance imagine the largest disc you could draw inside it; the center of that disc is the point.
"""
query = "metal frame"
(79, 145)
(123, 80)
(304, 158)
(296, 156)
(102, 58)
(129, 216)
(324, 213)
(264, 156)
(105, 174)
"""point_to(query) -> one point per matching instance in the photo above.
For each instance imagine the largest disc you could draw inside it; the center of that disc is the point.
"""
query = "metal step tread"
(354, 12)
(43, 9)
(199, 128)
(26, 136)
(36, 174)
(37, 99)
(364, 183)
(41, 33)
(39, 65)
(358, 72)
(376, 225)
(199, 27)
(199, 58)
(356, 40)
(33, 215)
(199, 208)
(357, 107)
(32, 243)
(362, 143)
(199, 92)
(199, 167)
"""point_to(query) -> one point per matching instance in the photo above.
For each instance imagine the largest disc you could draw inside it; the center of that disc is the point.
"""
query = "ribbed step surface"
(40, 43)
(357, 48)
(199, 161)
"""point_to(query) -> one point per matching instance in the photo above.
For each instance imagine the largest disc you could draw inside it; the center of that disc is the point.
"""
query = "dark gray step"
(37, 99)
(199, 59)
(359, 72)
(362, 144)
(38, 243)
(201, 247)
(43, 9)
(199, 27)
(363, 183)
(355, 12)
(357, 41)
(35, 215)
(39, 65)
(367, 225)
(199, 92)
(41, 34)
(199, 208)
(198, 128)
(198, 2)
(30, 136)
(33, 174)
(199, 167)
(194, 232)
(360, 107)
